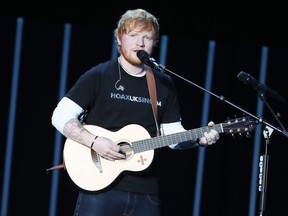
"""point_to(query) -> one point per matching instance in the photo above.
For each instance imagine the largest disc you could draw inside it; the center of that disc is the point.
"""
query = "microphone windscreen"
(243, 77)
(142, 55)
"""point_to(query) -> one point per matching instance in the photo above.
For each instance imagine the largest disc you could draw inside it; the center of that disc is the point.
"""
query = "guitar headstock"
(243, 125)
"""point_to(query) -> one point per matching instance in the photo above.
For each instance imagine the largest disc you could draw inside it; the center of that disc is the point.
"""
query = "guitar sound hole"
(126, 149)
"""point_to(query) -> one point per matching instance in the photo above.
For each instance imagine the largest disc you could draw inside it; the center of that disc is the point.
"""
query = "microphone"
(148, 60)
(250, 81)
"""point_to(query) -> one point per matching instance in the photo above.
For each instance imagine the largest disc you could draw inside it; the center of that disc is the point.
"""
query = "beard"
(130, 56)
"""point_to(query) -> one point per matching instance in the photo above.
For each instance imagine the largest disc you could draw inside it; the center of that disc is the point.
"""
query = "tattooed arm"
(65, 120)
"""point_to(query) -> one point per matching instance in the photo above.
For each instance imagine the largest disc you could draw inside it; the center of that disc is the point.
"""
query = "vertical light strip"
(12, 115)
(58, 136)
(163, 49)
(205, 116)
(257, 138)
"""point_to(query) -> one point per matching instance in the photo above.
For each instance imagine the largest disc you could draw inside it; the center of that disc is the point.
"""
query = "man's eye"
(149, 38)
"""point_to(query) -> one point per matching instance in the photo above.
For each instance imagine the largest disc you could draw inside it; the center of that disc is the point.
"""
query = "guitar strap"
(153, 96)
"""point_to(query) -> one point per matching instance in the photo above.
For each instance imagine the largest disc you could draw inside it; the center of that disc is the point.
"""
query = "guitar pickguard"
(97, 161)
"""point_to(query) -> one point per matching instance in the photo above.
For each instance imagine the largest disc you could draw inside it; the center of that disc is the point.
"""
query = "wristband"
(93, 142)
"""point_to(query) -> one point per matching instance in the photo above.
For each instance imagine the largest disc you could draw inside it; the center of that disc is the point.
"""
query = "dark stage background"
(241, 34)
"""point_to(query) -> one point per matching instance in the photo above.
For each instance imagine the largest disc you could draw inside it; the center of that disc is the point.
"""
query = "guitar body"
(91, 172)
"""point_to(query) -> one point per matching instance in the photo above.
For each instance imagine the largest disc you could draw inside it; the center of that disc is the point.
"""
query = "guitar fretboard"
(161, 141)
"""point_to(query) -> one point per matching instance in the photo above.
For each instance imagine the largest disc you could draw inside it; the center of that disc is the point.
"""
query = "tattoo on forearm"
(73, 129)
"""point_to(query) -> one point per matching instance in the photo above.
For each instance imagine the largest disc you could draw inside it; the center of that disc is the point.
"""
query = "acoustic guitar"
(91, 172)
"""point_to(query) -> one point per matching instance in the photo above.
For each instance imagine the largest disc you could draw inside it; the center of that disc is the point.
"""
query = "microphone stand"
(263, 173)
(263, 164)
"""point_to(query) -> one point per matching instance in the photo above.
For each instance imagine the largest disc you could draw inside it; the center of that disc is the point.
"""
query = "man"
(115, 94)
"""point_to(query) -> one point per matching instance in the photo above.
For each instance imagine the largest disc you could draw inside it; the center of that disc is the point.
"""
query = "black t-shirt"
(115, 99)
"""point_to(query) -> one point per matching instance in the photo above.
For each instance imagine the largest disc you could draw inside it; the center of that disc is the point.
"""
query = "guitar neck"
(161, 141)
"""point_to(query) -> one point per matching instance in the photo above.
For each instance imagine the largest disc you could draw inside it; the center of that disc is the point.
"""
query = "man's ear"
(118, 41)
